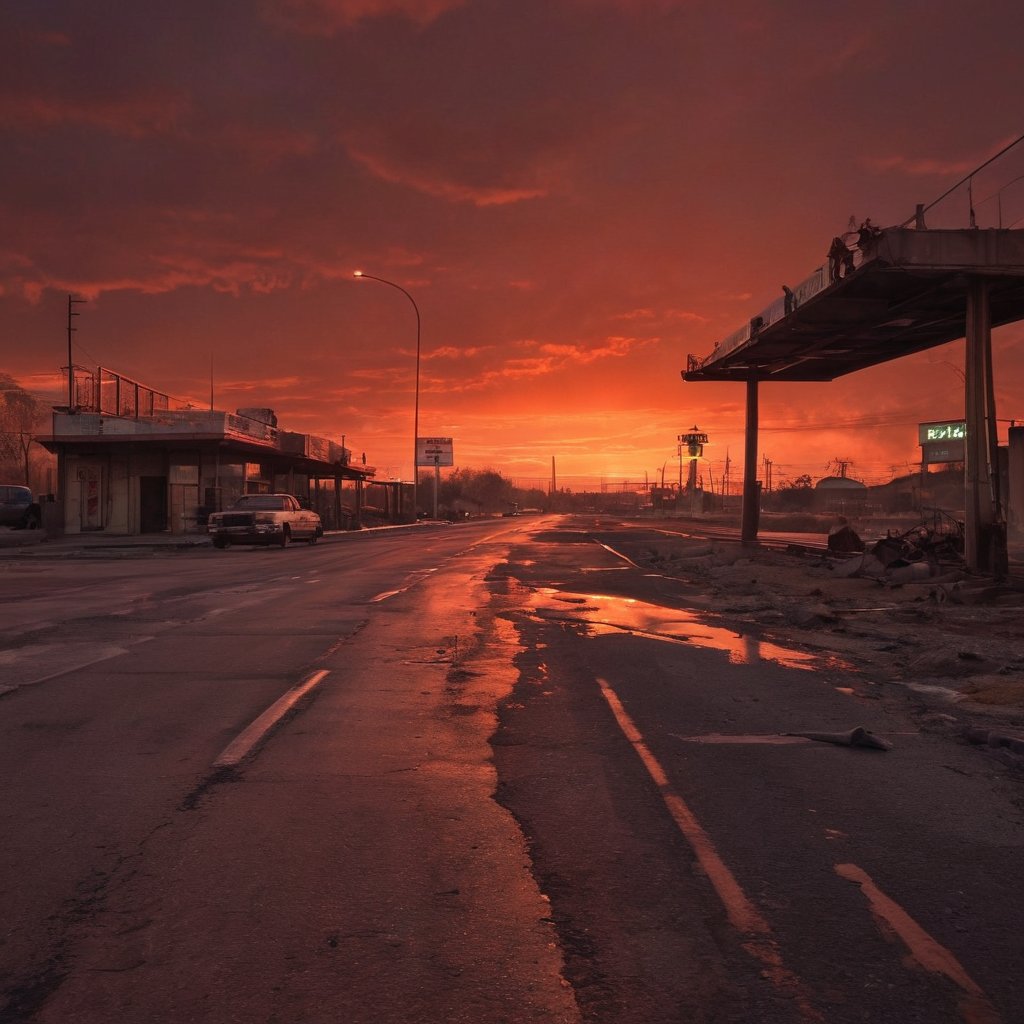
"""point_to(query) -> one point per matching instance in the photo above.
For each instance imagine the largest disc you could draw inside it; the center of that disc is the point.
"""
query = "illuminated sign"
(951, 430)
(434, 451)
(693, 442)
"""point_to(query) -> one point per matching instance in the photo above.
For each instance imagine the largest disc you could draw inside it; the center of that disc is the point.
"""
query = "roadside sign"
(434, 451)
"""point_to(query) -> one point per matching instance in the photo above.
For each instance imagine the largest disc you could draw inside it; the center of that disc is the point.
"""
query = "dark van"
(17, 508)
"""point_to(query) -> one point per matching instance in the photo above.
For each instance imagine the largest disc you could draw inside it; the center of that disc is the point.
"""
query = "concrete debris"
(859, 565)
(991, 738)
(950, 663)
(978, 592)
(842, 539)
(914, 556)
(859, 737)
(808, 616)
(915, 572)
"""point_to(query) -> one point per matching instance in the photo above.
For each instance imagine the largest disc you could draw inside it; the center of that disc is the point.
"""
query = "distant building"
(128, 464)
(841, 494)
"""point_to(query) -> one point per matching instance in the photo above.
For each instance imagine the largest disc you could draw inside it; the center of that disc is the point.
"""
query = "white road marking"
(254, 734)
(742, 913)
(923, 948)
(52, 661)
(413, 579)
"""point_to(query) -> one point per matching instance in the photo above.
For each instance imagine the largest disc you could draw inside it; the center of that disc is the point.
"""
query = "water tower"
(691, 446)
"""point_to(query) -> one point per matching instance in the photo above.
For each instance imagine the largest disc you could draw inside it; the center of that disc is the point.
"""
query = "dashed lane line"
(255, 733)
(927, 951)
(741, 912)
(416, 577)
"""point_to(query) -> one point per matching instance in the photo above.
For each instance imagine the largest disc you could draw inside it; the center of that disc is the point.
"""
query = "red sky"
(577, 193)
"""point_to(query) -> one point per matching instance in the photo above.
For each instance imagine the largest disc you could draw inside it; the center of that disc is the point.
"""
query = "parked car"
(18, 509)
(264, 519)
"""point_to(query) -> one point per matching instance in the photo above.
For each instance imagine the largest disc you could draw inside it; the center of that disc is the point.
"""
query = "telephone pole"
(73, 300)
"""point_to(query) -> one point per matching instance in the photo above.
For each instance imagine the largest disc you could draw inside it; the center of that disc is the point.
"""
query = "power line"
(935, 202)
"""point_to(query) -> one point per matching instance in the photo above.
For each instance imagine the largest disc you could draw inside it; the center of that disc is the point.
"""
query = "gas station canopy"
(907, 293)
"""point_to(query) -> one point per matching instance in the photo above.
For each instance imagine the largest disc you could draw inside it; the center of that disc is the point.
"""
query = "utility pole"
(73, 300)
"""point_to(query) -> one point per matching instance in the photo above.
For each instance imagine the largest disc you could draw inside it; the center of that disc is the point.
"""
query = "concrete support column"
(751, 485)
(358, 510)
(1015, 495)
(985, 527)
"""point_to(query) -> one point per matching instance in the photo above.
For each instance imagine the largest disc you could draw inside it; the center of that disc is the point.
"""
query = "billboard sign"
(946, 430)
(434, 451)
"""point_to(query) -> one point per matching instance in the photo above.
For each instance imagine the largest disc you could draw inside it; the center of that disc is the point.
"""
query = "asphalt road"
(513, 778)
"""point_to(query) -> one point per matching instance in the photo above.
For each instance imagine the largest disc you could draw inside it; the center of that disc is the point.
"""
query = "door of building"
(91, 496)
(153, 504)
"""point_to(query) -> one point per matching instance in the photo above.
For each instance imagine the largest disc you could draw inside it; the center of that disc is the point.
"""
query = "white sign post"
(436, 452)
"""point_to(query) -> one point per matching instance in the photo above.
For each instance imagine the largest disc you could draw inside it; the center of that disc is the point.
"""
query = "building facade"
(166, 470)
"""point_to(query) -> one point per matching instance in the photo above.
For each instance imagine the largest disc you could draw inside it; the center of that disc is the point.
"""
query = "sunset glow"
(577, 193)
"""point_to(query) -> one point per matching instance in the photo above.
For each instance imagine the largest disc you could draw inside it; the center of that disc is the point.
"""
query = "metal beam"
(985, 527)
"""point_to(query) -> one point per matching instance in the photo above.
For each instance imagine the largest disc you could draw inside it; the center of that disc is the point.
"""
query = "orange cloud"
(325, 17)
(133, 117)
(437, 184)
(918, 166)
(451, 352)
(686, 315)
(932, 166)
(554, 358)
(261, 384)
(613, 347)
(266, 145)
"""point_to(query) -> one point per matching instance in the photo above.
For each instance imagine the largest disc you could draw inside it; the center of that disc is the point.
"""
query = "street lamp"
(416, 405)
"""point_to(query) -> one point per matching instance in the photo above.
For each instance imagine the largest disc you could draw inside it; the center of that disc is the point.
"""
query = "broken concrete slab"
(858, 737)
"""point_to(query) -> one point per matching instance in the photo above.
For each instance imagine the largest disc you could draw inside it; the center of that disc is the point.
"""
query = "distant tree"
(798, 483)
(531, 497)
(485, 488)
(21, 416)
(796, 494)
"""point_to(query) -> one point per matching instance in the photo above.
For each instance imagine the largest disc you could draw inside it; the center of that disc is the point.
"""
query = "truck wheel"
(221, 543)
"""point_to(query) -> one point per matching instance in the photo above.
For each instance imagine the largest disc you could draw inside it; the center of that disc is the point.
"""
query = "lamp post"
(416, 403)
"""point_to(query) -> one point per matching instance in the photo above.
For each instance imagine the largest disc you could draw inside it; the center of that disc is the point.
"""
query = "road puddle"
(605, 614)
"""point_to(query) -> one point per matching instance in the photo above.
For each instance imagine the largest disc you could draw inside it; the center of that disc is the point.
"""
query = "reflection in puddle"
(605, 614)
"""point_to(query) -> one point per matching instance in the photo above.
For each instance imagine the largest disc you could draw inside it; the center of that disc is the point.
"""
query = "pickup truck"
(264, 519)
